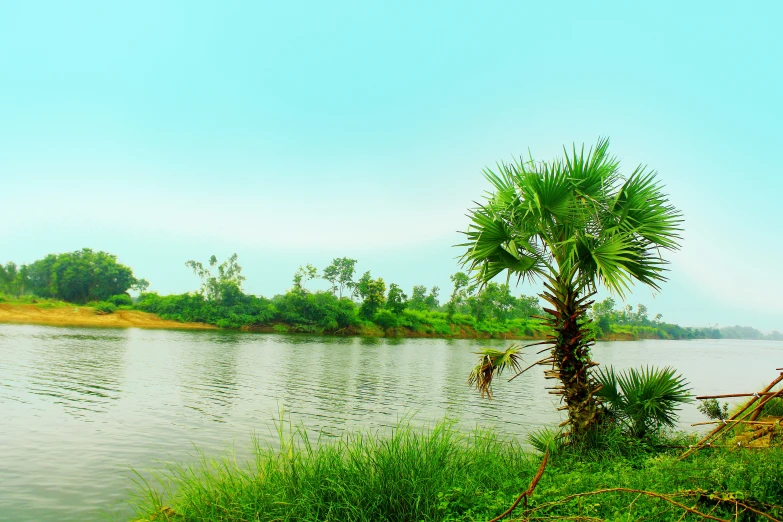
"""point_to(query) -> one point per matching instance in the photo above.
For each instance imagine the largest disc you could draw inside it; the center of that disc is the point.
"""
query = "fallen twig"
(529, 491)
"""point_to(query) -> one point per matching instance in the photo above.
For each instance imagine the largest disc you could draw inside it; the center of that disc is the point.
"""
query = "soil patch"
(86, 316)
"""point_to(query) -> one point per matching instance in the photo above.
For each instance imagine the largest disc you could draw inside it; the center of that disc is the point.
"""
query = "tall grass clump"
(441, 474)
(433, 474)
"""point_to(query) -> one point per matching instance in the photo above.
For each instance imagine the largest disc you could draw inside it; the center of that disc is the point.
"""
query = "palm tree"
(575, 223)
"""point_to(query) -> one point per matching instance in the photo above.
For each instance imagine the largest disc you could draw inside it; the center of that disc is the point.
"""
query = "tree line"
(76, 277)
(351, 303)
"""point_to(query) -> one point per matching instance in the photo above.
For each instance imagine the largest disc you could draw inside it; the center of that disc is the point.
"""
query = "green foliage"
(441, 474)
(121, 300)
(105, 307)
(436, 474)
(76, 277)
(546, 439)
(11, 280)
(235, 311)
(314, 312)
(373, 295)
(774, 407)
(228, 278)
(609, 321)
(616, 227)
(340, 275)
(421, 300)
(493, 362)
(386, 319)
(642, 400)
(396, 299)
(713, 410)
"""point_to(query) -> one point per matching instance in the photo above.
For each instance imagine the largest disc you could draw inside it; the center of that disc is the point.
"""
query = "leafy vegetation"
(77, 277)
(441, 474)
(471, 310)
(644, 400)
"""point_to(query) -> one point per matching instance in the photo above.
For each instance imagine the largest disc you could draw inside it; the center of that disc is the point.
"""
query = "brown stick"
(525, 494)
(764, 401)
(737, 421)
(733, 417)
(730, 395)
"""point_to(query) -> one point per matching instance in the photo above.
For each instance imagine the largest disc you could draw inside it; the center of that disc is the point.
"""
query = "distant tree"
(361, 289)
(641, 314)
(526, 306)
(418, 296)
(605, 307)
(420, 300)
(228, 278)
(431, 301)
(141, 285)
(340, 275)
(37, 277)
(396, 299)
(10, 280)
(77, 277)
(304, 274)
(479, 302)
(461, 282)
(374, 297)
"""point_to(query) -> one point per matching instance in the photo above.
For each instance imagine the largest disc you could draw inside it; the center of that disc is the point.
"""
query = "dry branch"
(529, 491)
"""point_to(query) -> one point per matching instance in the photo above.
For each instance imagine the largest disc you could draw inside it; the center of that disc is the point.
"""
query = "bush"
(713, 410)
(385, 319)
(120, 300)
(105, 307)
(642, 400)
(238, 311)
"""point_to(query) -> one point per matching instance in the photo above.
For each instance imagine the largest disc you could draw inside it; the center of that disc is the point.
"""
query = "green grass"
(441, 474)
(40, 302)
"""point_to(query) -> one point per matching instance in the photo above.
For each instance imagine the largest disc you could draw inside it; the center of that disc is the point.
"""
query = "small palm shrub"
(642, 400)
(546, 439)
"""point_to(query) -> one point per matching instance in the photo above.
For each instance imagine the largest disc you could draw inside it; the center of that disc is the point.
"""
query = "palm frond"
(493, 362)
(645, 398)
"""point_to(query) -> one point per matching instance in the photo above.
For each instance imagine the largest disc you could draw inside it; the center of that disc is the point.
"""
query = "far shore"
(86, 316)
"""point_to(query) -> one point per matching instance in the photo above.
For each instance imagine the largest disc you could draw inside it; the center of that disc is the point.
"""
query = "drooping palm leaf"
(492, 362)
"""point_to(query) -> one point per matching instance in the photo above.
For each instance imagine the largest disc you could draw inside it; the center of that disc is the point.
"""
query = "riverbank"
(410, 325)
(64, 314)
(444, 475)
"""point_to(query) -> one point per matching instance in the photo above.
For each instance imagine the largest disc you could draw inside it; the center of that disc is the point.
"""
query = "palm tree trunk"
(571, 357)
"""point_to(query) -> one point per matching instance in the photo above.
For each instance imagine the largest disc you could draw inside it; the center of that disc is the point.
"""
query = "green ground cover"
(441, 474)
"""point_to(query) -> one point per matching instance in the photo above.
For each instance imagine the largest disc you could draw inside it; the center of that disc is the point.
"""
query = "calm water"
(79, 407)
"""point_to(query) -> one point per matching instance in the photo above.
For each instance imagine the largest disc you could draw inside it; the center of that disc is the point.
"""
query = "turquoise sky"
(295, 132)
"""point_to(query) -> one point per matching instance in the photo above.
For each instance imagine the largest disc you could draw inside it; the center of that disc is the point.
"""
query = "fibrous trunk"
(571, 358)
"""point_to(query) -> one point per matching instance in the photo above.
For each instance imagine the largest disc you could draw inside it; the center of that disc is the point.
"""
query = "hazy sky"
(295, 132)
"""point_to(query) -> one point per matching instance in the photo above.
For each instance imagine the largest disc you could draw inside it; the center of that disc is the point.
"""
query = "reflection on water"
(81, 372)
(79, 407)
(209, 384)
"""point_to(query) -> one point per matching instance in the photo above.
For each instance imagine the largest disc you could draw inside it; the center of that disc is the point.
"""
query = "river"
(80, 407)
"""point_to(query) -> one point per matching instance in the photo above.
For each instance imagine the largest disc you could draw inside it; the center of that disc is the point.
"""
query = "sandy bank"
(84, 316)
